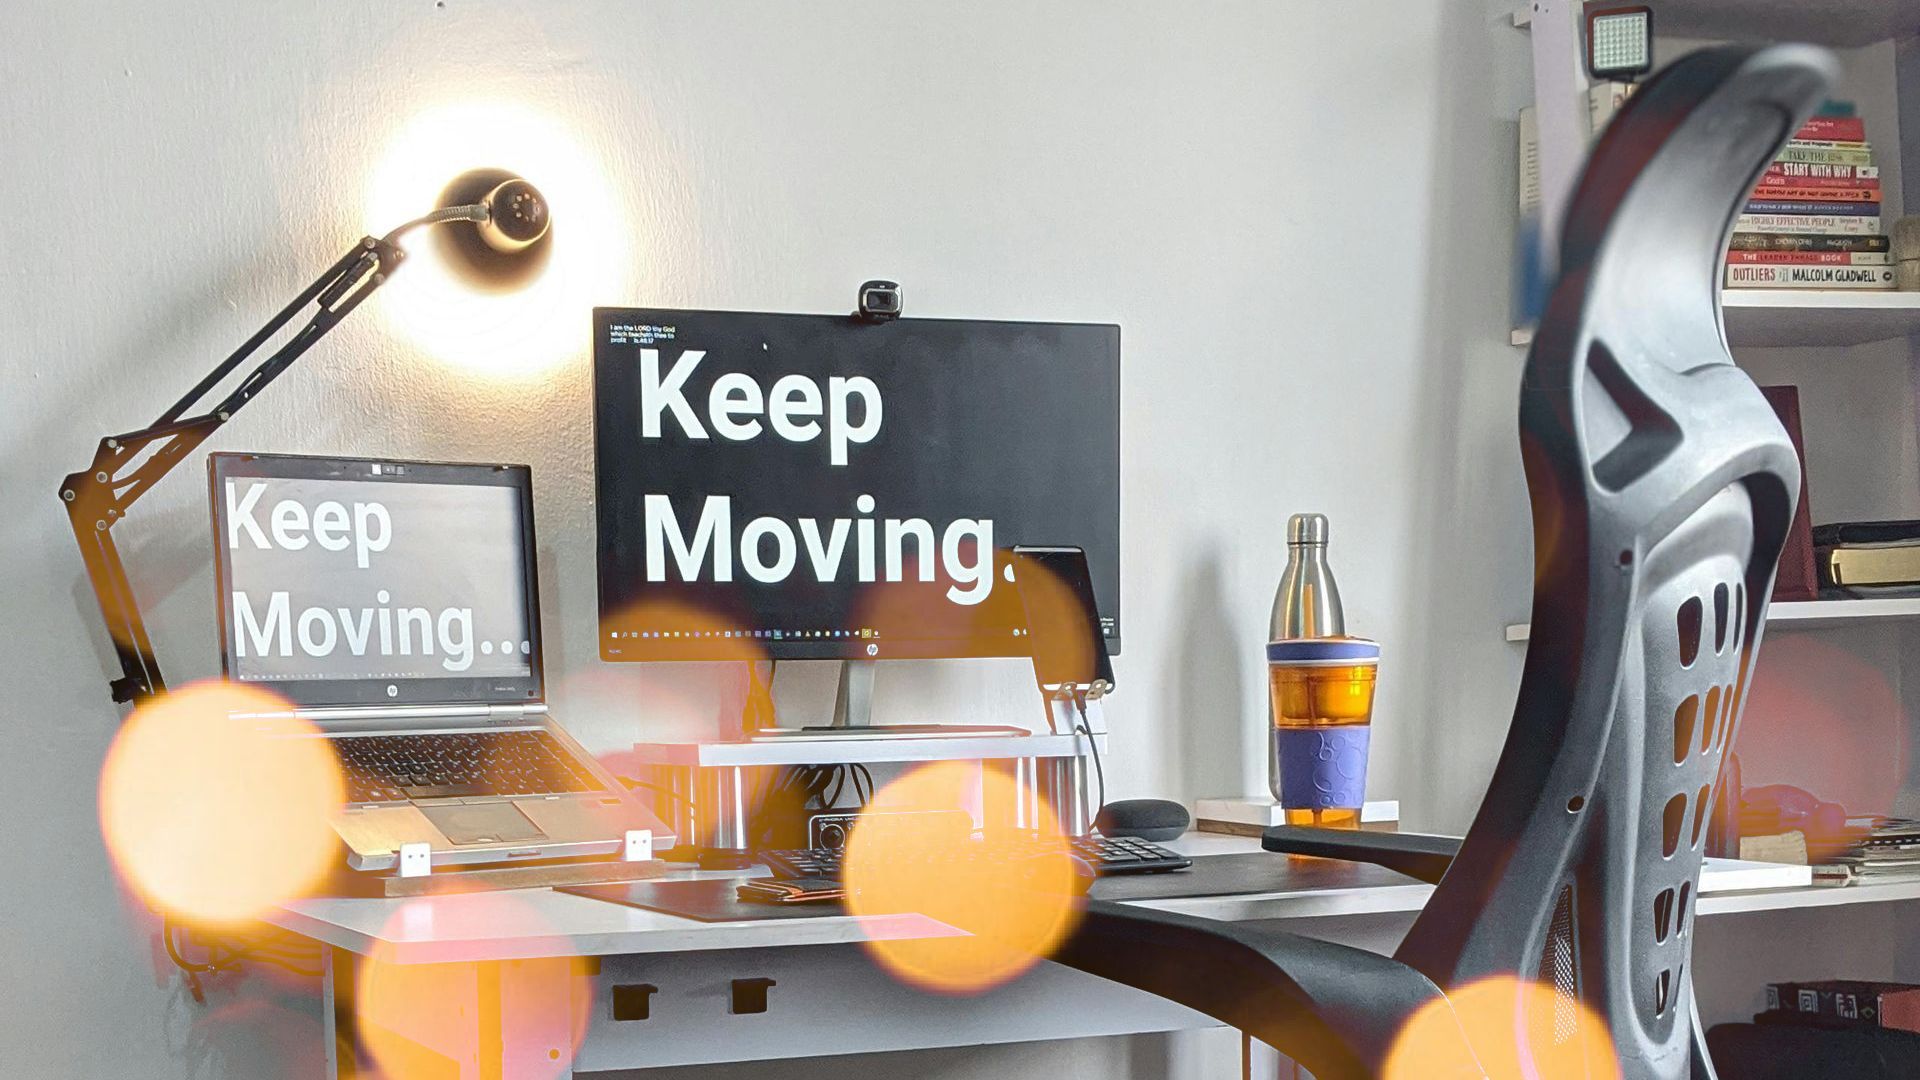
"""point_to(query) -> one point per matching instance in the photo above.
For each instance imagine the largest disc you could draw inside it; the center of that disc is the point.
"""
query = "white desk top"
(537, 923)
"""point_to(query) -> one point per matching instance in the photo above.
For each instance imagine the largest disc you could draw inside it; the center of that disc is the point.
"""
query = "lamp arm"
(98, 497)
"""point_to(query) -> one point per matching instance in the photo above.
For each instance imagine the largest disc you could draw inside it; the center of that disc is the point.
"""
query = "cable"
(224, 953)
(1085, 727)
(657, 789)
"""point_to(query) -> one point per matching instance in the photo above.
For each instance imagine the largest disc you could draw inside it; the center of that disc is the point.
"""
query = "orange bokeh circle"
(1012, 897)
(216, 803)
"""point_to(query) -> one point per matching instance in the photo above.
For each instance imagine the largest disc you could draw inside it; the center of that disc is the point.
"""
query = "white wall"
(1299, 213)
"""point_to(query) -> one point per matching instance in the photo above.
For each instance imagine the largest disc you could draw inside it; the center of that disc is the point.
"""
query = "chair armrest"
(1333, 1008)
(1417, 855)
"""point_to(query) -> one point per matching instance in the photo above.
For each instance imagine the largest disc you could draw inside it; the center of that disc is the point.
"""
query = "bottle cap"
(1307, 529)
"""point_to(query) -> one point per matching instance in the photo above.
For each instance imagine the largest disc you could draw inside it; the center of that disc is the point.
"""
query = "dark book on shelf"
(1897, 531)
(1844, 1003)
(1798, 578)
(1774, 1051)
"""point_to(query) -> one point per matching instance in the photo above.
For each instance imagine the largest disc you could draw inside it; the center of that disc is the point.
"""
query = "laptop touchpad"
(482, 823)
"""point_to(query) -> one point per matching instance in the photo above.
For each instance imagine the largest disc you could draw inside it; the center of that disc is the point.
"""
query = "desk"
(509, 957)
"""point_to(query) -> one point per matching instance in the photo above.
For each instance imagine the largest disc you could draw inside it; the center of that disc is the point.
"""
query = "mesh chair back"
(1662, 487)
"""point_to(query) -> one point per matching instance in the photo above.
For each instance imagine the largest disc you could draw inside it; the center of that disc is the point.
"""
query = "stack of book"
(1814, 220)
(1890, 851)
(1869, 558)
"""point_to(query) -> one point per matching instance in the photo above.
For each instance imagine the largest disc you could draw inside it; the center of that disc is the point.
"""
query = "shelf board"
(1810, 614)
(1783, 317)
(1808, 896)
(1777, 318)
(1846, 24)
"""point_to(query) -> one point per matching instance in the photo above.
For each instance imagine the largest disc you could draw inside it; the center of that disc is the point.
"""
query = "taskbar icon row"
(865, 633)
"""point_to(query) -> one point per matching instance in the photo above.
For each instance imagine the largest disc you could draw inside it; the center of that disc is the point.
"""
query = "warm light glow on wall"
(510, 334)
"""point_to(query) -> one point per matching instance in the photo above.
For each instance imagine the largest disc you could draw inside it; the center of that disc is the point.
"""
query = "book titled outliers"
(1813, 221)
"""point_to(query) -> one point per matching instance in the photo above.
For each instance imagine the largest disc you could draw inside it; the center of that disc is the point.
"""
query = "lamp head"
(518, 217)
(509, 248)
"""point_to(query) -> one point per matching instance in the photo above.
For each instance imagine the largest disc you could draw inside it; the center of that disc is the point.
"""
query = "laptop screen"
(353, 581)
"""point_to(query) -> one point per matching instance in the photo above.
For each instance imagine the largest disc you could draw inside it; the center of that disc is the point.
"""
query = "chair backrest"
(1662, 488)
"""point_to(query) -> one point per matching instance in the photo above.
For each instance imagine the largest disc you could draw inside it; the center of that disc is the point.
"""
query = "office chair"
(1662, 487)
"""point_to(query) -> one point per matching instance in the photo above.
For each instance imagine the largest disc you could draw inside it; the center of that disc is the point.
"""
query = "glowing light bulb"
(526, 331)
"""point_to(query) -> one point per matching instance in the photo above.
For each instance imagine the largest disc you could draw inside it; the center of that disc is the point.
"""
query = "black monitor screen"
(813, 486)
(355, 581)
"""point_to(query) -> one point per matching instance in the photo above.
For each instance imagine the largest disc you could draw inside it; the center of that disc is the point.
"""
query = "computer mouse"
(1083, 875)
(1148, 819)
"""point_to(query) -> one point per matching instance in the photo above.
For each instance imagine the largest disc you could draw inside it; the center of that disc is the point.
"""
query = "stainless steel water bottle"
(1308, 602)
(1307, 605)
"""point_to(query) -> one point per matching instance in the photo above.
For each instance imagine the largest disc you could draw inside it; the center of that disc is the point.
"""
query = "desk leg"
(336, 1014)
(506, 1020)
(541, 1015)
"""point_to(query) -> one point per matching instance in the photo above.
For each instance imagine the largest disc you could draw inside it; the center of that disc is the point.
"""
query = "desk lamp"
(509, 238)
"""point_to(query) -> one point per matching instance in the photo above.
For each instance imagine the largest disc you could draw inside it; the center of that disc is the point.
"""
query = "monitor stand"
(853, 701)
(853, 715)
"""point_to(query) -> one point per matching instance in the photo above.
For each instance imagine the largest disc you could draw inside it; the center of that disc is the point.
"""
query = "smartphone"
(1063, 621)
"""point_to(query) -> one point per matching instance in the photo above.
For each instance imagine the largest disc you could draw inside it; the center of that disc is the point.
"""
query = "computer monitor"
(353, 581)
(821, 487)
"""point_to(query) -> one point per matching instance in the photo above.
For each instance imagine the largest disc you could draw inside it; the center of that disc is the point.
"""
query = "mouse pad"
(705, 899)
(1247, 872)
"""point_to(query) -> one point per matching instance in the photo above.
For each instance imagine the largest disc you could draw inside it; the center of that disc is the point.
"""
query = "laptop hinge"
(516, 712)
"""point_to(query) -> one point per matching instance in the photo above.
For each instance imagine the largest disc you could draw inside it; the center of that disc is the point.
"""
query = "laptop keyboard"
(395, 768)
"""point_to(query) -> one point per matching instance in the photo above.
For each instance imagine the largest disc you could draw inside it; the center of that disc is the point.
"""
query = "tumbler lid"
(1340, 650)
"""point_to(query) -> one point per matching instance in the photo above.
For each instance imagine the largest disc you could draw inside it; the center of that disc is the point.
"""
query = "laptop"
(394, 605)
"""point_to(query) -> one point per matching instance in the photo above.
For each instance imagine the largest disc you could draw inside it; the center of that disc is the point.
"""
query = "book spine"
(1823, 183)
(1809, 277)
(1808, 224)
(1824, 155)
(1793, 171)
(1842, 128)
(1807, 242)
(1857, 1005)
(1810, 258)
(1812, 193)
(1833, 207)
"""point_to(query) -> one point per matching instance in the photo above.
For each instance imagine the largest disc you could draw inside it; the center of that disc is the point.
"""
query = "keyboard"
(396, 768)
(1106, 854)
